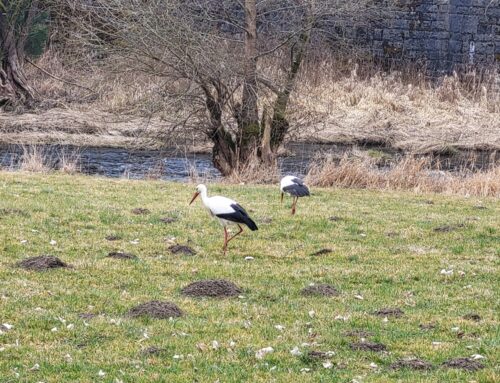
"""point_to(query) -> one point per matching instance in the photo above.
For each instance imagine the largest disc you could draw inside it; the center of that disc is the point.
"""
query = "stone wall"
(440, 35)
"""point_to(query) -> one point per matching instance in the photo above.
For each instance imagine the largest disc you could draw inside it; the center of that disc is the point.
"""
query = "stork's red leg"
(238, 233)
(295, 199)
(224, 248)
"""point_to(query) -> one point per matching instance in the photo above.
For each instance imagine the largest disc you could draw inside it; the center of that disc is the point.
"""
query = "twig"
(59, 79)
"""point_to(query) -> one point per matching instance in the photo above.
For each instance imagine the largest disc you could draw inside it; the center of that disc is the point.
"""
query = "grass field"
(386, 253)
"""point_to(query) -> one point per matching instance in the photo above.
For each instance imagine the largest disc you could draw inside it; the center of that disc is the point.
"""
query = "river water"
(172, 164)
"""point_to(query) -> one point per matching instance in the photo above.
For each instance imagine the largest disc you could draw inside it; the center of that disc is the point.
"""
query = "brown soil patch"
(87, 315)
(13, 211)
(467, 364)
(448, 228)
(389, 312)
(413, 364)
(472, 316)
(317, 355)
(156, 309)
(121, 255)
(358, 333)
(168, 220)
(427, 326)
(140, 211)
(43, 262)
(153, 350)
(216, 288)
(113, 237)
(335, 218)
(265, 220)
(322, 252)
(480, 207)
(322, 289)
(368, 346)
(181, 249)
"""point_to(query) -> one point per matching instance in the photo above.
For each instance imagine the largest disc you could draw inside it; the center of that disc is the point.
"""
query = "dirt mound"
(153, 350)
(389, 312)
(181, 249)
(322, 289)
(335, 218)
(368, 346)
(13, 211)
(448, 228)
(322, 252)
(472, 316)
(427, 326)
(464, 364)
(121, 255)
(358, 333)
(317, 355)
(413, 364)
(168, 219)
(216, 288)
(140, 211)
(43, 262)
(480, 207)
(113, 237)
(156, 309)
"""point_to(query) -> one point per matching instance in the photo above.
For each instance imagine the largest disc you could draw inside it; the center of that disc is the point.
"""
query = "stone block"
(456, 23)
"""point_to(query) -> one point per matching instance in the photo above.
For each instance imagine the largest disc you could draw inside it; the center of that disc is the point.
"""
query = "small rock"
(263, 352)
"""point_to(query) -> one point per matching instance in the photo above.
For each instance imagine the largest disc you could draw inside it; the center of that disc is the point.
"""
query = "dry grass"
(43, 159)
(34, 159)
(333, 102)
(408, 113)
(410, 173)
(69, 161)
(254, 172)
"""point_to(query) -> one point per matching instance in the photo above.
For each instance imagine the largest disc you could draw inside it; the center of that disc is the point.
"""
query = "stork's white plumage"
(226, 211)
(295, 187)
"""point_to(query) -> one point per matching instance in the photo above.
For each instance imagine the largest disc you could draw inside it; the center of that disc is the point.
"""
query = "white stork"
(227, 212)
(295, 187)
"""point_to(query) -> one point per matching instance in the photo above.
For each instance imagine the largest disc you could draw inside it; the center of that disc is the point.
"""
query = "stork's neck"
(204, 196)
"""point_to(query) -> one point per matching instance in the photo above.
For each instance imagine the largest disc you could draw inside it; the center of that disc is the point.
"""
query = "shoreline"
(93, 128)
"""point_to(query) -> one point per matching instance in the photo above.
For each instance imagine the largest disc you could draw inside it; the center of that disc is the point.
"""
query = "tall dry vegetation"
(335, 101)
(410, 173)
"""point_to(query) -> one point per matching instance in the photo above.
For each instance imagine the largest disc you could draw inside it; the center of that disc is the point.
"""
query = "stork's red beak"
(194, 197)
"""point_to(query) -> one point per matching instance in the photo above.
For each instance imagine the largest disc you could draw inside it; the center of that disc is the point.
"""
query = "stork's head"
(200, 189)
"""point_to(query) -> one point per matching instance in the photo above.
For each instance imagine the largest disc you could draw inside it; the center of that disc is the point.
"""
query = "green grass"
(384, 249)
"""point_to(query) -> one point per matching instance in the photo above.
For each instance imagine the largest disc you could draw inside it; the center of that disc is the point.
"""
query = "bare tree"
(16, 19)
(213, 55)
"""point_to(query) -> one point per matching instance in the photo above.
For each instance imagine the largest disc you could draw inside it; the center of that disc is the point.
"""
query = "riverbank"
(338, 104)
(469, 173)
(82, 127)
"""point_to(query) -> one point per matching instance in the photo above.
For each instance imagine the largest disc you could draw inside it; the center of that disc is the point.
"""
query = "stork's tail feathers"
(251, 224)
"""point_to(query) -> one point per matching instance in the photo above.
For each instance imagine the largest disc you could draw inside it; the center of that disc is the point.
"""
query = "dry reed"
(411, 173)
(34, 159)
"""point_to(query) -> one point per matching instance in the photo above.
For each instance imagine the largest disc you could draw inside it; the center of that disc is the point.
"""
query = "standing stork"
(295, 187)
(226, 211)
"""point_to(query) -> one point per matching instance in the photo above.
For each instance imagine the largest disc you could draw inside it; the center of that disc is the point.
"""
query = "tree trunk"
(279, 123)
(249, 115)
(224, 148)
(14, 87)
